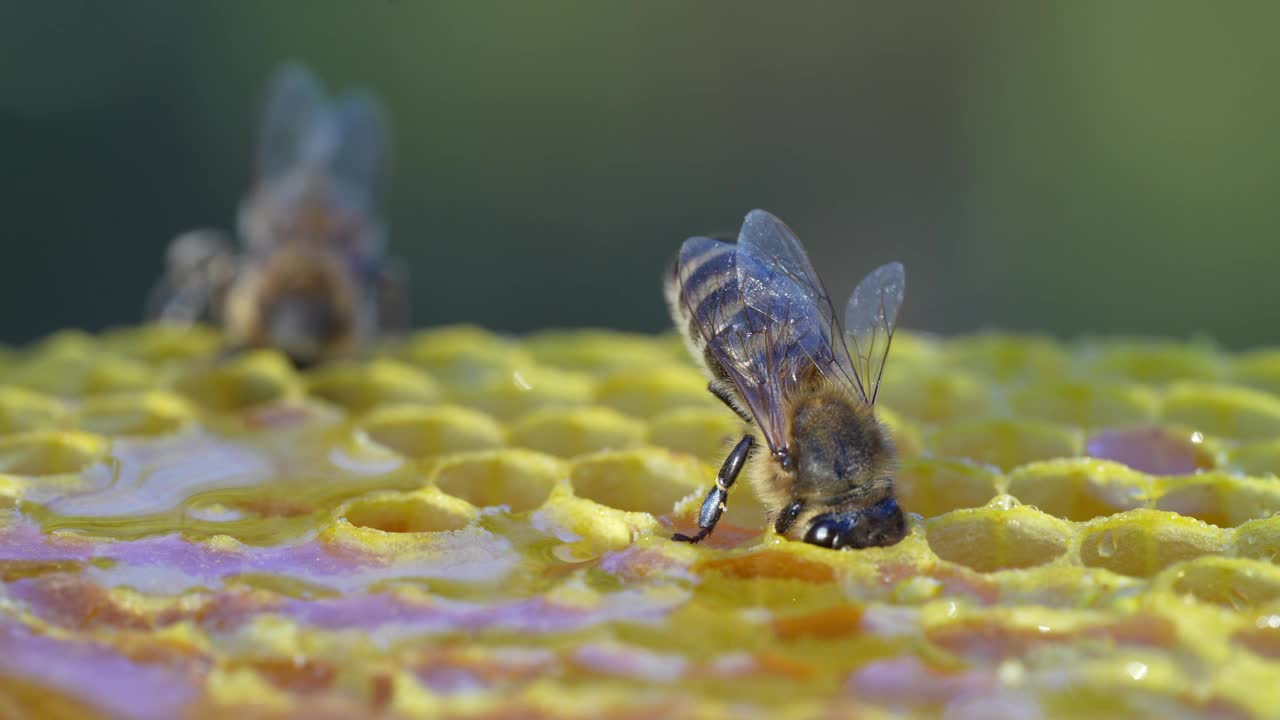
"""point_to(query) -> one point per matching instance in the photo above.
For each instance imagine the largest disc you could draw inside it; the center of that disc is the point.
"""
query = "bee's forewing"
(775, 246)
(769, 240)
(756, 324)
(293, 120)
(302, 128)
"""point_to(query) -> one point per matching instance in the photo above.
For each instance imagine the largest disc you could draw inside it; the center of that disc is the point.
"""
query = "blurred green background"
(1070, 168)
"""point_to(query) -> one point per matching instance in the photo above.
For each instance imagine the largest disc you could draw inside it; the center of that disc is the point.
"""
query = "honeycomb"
(470, 525)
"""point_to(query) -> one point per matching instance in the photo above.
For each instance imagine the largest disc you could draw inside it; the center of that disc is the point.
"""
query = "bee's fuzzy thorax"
(829, 417)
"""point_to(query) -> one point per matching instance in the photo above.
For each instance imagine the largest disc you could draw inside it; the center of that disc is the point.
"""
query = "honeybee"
(761, 322)
(311, 278)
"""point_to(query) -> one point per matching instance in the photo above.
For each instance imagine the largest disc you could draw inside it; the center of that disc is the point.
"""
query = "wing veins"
(873, 309)
(771, 241)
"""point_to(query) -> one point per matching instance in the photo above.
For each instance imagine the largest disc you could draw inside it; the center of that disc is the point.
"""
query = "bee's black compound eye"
(879, 524)
(831, 530)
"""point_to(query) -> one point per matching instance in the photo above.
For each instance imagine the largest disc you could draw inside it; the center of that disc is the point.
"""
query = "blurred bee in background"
(761, 322)
(311, 278)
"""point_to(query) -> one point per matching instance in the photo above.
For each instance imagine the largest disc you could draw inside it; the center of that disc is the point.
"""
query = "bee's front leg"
(713, 506)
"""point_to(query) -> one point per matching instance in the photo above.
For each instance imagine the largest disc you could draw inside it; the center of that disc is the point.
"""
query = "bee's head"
(843, 464)
(306, 309)
(300, 327)
(879, 524)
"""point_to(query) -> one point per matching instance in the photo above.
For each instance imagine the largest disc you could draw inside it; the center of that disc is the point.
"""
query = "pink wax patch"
(1153, 450)
(98, 673)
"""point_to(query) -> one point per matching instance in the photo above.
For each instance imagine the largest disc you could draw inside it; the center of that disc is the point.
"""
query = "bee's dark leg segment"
(722, 393)
(713, 506)
(787, 517)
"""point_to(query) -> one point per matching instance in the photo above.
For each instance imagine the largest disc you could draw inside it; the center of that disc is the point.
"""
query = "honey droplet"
(1106, 545)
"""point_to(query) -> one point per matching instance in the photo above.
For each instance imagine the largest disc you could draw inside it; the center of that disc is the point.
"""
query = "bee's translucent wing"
(319, 168)
(767, 345)
(361, 145)
(200, 268)
(869, 321)
(766, 236)
(391, 285)
(296, 122)
(302, 128)
(171, 302)
(773, 244)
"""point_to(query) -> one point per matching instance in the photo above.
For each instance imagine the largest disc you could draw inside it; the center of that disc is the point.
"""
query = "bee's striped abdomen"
(754, 328)
(705, 299)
